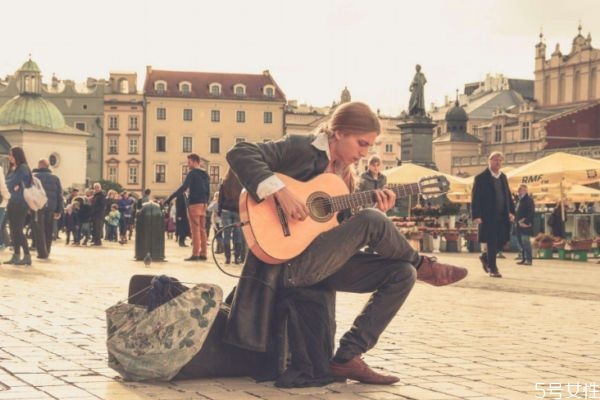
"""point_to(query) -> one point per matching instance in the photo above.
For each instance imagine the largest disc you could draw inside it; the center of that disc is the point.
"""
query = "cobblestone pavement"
(482, 338)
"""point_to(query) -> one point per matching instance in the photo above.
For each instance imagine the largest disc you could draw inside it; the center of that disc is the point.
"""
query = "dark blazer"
(483, 205)
(53, 189)
(252, 309)
(525, 210)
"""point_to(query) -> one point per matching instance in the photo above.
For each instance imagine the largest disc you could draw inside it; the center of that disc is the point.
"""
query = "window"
(185, 89)
(525, 130)
(215, 115)
(186, 144)
(161, 88)
(161, 113)
(160, 173)
(215, 144)
(187, 114)
(269, 91)
(132, 175)
(268, 117)
(80, 126)
(214, 174)
(113, 122)
(389, 148)
(133, 146)
(215, 90)
(239, 90)
(161, 144)
(112, 173)
(239, 139)
(123, 86)
(184, 171)
(240, 116)
(498, 133)
(133, 123)
(113, 145)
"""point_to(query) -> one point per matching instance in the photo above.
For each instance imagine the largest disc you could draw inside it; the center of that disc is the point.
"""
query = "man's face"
(496, 163)
(375, 168)
(522, 191)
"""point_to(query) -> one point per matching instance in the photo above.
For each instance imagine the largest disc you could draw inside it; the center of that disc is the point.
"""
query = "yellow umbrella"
(411, 173)
(556, 169)
(575, 194)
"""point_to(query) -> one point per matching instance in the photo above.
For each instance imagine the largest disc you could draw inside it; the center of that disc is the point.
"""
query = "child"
(71, 221)
(112, 222)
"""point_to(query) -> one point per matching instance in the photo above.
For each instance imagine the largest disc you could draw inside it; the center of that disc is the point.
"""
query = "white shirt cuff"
(269, 186)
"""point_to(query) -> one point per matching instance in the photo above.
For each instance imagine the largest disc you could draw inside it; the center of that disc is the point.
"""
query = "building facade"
(204, 113)
(124, 128)
(82, 106)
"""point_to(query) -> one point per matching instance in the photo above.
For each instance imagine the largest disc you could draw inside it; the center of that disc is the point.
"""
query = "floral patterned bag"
(155, 345)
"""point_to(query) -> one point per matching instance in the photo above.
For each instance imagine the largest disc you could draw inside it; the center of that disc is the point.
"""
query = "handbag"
(35, 195)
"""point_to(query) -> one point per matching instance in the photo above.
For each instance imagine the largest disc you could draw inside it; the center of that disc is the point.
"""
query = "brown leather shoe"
(438, 274)
(358, 370)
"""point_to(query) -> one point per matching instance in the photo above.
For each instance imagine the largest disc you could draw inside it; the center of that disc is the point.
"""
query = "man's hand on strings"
(292, 205)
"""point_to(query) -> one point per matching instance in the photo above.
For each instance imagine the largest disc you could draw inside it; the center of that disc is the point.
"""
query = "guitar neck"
(367, 198)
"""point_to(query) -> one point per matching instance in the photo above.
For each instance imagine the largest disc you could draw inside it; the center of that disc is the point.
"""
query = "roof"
(31, 109)
(201, 81)
(502, 99)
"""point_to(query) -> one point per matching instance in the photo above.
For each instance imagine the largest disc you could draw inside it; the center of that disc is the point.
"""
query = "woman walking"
(19, 177)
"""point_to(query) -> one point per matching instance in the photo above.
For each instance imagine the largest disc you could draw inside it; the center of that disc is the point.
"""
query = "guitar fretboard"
(366, 198)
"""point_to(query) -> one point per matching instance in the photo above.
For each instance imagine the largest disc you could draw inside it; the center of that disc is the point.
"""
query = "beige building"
(204, 113)
(123, 132)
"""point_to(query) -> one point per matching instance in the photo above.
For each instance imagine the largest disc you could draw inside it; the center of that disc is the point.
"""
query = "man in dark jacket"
(372, 179)
(525, 212)
(97, 214)
(492, 208)
(45, 217)
(197, 182)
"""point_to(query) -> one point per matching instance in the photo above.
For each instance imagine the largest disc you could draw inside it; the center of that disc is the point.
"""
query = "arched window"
(123, 86)
(160, 87)
(215, 89)
(185, 88)
(239, 90)
(269, 91)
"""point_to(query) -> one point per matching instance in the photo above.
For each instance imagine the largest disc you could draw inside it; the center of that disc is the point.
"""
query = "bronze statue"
(416, 104)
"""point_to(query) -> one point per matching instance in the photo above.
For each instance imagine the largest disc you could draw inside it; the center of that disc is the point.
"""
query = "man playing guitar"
(333, 258)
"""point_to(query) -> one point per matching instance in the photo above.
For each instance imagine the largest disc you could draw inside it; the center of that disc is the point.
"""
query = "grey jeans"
(333, 260)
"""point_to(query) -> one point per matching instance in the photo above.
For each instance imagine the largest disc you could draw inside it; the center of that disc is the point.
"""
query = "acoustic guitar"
(275, 239)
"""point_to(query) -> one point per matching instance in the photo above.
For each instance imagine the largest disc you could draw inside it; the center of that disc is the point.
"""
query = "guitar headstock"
(433, 186)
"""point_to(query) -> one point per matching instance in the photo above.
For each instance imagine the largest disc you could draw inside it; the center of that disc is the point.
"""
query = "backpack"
(35, 195)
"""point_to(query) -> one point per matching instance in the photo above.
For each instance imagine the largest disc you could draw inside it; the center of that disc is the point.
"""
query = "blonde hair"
(496, 153)
(352, 118)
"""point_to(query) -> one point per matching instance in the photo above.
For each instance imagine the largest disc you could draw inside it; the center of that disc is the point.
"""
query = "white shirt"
(273, 184)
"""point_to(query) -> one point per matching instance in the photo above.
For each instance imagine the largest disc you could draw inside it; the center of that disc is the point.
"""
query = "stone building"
(204, 113)
(32, 122)
(563, 112)
(82, 107)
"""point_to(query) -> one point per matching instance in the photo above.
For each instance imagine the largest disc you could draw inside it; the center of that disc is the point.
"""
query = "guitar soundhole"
(319, 204)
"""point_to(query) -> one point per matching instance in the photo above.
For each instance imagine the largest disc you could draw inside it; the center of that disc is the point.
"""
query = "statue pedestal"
(416, 134)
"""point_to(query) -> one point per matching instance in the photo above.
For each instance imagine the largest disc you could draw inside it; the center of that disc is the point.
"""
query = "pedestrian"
(112, 222)
(197, 183)
(493, 211)
(4, 196)
(212, 214)
(43, 223)
(71, 222)
(228, 209)
(524, 214)
(182, 225)
(333, 259)
(98, 211)
(556, 220)
(372, 178)
(126, 208)
(19, 176)
(85, 217)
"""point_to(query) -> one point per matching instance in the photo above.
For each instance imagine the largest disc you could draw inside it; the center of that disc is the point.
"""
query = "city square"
(532, 333)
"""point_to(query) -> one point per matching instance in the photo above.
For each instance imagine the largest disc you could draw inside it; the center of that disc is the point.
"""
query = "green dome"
(30, 66)
(31, 109)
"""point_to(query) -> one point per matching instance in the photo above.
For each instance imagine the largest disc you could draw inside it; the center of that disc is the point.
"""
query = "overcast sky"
(313, 48)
